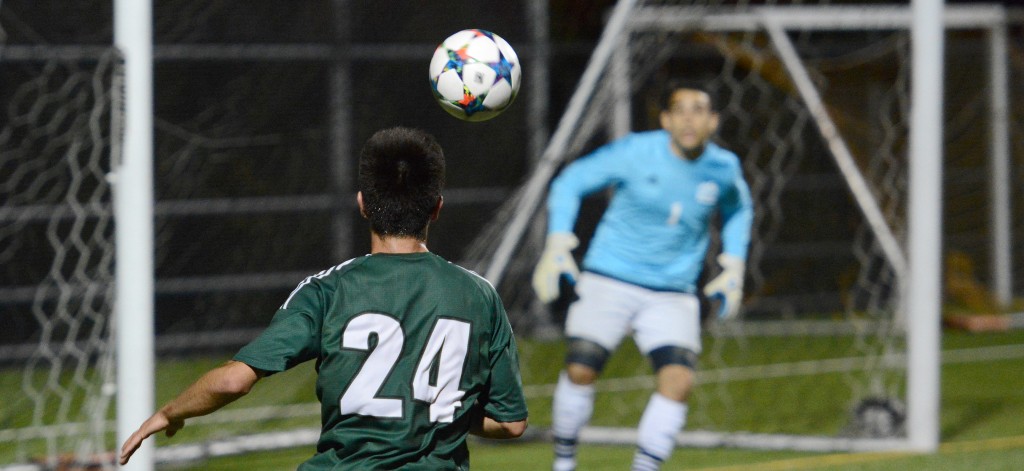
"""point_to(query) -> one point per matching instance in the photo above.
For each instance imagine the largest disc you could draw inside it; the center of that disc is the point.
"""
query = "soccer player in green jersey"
(412, 352)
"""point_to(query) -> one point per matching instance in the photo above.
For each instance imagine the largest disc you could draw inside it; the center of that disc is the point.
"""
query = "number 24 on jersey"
(448, 343)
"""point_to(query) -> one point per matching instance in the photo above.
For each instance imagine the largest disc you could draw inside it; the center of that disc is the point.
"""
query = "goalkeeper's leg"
(668, 331)
(574, 399)
(663, 418)
(595, 325)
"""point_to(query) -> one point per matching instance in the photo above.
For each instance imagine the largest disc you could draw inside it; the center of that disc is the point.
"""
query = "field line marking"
(988, 444)
(795, 368)
(811, 462)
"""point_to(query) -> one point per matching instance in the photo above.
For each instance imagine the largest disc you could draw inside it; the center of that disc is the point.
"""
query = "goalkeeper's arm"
(738, 216)
(555, 262)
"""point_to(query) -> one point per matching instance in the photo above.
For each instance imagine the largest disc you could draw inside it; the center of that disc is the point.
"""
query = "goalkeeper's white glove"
(556, 261)
(727, 286)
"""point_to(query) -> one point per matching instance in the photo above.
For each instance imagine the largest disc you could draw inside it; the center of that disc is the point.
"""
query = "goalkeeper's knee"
(586, 353)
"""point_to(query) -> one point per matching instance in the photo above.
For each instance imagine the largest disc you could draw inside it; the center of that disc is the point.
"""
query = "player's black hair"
(674, 85)
(401, 175)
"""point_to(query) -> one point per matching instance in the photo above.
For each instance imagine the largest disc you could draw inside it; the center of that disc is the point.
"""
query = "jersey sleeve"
(506, 401)
(588, 174)
(292, 337)
(737, 211)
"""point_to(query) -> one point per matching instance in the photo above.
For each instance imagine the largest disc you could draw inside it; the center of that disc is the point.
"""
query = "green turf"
(982, 409)
(987, 455)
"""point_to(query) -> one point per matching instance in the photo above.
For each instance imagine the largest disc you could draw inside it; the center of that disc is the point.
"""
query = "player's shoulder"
(314, 285)
(470, 276)
(637, 140)
(719, 156)
(636, 147)
(654, 137)
(717, 152)
(340, 269)
(459, 277)
(330, 275)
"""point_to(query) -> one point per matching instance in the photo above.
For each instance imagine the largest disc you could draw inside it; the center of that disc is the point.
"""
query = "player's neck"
(396, 245)
(694, 153)
(688, 154)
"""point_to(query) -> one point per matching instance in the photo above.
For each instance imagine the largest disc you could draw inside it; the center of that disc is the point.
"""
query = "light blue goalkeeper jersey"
(654, 232)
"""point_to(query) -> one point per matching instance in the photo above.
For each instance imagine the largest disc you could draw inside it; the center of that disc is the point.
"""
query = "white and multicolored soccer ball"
(475, 75)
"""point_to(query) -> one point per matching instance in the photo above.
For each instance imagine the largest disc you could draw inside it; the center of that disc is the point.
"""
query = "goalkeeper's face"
(690, 120)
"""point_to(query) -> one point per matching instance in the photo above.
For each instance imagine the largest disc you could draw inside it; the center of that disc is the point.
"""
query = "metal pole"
(133, 212)
(924, 293)
(1000, 175)
(341, 153)
(539, 72)
(621, 122)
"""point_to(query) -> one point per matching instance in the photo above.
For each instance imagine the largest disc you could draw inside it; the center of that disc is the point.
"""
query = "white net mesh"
(56, 250)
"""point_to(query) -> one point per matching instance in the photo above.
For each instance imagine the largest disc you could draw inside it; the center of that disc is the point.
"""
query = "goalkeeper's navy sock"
(565, 454)
(644, 461)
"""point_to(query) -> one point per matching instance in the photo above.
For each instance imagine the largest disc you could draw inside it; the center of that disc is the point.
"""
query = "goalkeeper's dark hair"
(674, 85)
(401, 175)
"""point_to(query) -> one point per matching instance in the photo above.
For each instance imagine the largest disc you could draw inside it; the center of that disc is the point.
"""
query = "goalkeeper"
(642, 265)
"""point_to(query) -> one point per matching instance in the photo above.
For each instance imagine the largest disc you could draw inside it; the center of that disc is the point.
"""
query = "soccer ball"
(475, 75)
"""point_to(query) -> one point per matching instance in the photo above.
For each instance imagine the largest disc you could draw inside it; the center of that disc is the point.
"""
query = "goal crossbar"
(832, 18)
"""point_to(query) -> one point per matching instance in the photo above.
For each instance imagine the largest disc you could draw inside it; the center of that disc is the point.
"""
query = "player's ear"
(714, 122)
(437, 208)
(663, 118)
(362, 208)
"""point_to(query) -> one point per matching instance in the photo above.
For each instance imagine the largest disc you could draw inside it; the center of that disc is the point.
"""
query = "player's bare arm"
(490, 428)
(215, 389)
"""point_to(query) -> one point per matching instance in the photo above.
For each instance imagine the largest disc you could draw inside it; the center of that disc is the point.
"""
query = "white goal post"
(133, 213)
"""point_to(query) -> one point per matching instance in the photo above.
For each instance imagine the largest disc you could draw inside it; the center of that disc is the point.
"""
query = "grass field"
(996, 454)
(982, 417)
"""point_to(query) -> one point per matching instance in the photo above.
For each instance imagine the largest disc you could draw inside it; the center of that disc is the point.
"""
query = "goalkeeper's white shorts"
(607, 310)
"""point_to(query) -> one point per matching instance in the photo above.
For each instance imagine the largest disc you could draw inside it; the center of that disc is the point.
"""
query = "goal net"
(815, 101)
(57, 142)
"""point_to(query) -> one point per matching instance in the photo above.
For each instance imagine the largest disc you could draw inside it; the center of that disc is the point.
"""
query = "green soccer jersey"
(408, 348)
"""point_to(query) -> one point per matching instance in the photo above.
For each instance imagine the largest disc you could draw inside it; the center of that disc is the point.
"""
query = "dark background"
(251, 181)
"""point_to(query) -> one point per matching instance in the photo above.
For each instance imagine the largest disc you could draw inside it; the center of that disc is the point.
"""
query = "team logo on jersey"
(707, 193)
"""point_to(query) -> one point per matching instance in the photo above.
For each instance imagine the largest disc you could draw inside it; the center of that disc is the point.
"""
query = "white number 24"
(448, 344)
